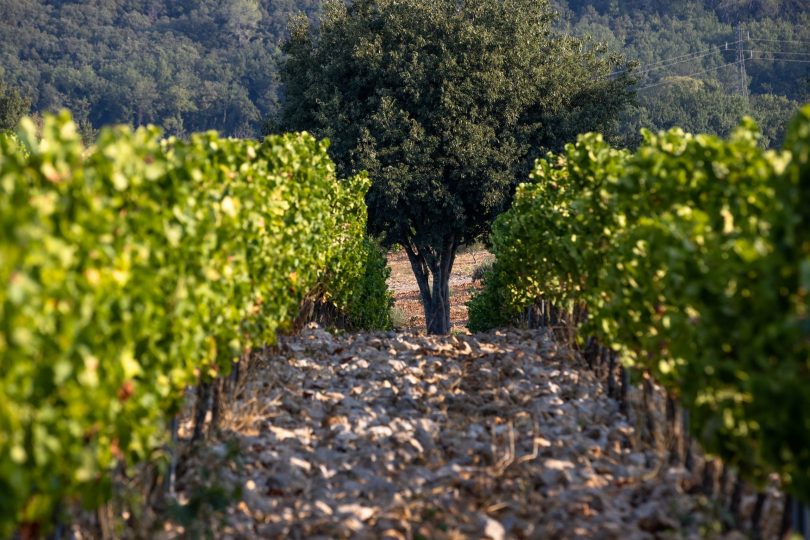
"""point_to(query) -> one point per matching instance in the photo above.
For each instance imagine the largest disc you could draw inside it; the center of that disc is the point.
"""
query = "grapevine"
(691, 258)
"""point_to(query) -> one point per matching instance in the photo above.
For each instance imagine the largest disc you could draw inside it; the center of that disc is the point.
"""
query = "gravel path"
(405, 436)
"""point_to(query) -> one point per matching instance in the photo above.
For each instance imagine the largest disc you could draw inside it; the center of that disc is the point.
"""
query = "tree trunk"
(756, 516)
(688, 456)
(435, 263)
(202, 406)
(736, 500)
(625, 385)
(675, 439)
(787, 518)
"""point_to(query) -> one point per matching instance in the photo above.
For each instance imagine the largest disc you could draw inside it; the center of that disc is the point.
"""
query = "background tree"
(446, 103)
(12, 107)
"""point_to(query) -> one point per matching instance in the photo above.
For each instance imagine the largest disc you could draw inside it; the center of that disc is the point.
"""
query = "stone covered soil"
(494, 436)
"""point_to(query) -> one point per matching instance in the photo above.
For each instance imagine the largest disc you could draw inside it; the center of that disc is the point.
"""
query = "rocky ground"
(399, 435)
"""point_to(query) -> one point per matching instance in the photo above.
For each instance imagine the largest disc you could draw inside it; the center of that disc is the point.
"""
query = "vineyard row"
(137, 267)
(690, 260)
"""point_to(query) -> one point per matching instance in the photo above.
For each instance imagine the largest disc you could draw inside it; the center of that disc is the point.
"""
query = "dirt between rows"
(399, 435)
(408, 311)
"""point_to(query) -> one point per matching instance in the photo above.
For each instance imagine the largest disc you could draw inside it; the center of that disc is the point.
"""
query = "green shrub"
(369, 306)
(492, 306)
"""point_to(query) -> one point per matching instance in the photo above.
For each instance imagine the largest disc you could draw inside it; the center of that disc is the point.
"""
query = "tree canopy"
(446, 104)
(12, 107)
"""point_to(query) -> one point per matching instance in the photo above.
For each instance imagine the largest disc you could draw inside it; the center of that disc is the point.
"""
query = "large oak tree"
(445, 103)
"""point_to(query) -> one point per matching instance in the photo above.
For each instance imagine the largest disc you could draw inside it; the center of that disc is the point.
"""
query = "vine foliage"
(691, 260)
(136, 267)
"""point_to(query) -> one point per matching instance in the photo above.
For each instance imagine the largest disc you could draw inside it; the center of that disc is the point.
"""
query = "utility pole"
(741, 62)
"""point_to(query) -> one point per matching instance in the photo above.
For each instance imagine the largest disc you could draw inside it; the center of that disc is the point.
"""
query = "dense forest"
(187, 66)
(687, 52)
(208, 64)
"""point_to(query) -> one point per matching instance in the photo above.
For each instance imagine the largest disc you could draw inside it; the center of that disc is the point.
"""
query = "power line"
(676, 60)
(720, 67)
(777, 52)
(742, 56)
(671, 62)
(784, 60)
(681, 56)
(649, 69)
(801, 42)
(653, 68)
(690, 75)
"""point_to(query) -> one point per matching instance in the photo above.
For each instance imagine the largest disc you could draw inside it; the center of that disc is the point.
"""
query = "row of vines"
(690, 260)
(139, 266)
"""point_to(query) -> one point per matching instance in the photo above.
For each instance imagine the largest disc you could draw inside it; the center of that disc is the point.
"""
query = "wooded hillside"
(213, 65)
(687, 53)
(188, 66)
